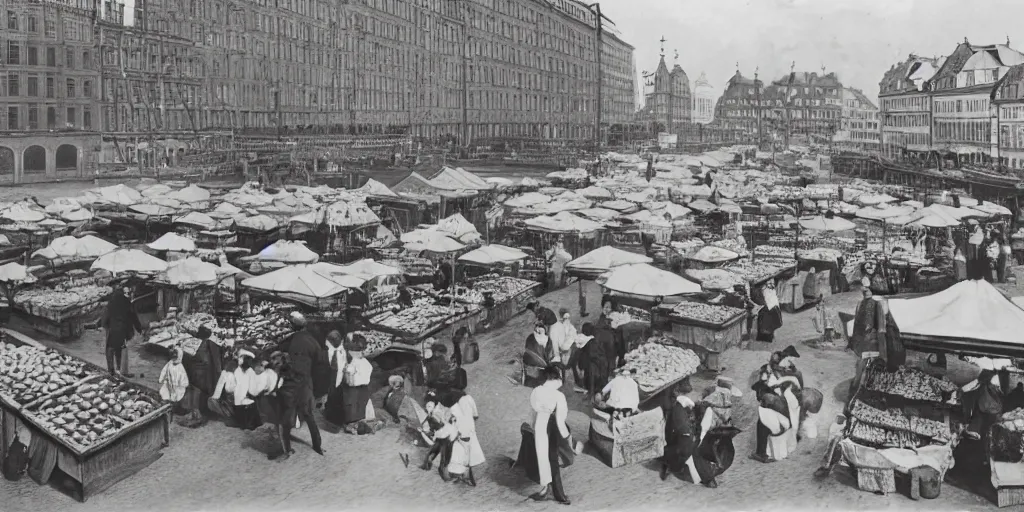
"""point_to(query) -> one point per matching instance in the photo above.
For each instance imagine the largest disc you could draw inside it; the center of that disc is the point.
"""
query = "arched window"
(34, 159)
(67, 157)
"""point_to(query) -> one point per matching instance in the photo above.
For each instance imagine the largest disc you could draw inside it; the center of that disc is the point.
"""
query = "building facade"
(858, 126)
(964, 126)
(618, 80)
(811, 103)
(1008, 100)
(669, 104)
(49, 84)
(738, 108)
(905, 108)
(703, 101)
(444, 70)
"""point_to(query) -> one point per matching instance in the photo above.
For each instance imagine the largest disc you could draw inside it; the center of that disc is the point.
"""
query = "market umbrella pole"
(583, 299)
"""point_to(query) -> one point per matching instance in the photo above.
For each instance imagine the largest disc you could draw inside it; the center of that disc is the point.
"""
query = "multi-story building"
(1008, 99)
(669, 104)
(963, 126)
(812, 104)
(437, 68)
(737, 110)
(905, 108)
(703, 101)
(48, 89)
(618, 79)
(858, 125)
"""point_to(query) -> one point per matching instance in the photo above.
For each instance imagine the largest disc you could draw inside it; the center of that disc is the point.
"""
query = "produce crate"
(65, 330)
(94, 468)
(640, 438)
(1009, 496)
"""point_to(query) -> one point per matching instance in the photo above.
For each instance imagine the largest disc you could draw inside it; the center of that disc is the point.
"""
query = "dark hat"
(790, 351)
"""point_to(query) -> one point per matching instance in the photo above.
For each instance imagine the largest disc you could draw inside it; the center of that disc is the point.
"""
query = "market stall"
(636, 289)
(61, 308)
(189, 286)
(708, 329)
(94, 427)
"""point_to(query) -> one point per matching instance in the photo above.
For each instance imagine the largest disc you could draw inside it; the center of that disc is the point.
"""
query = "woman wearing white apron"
(785, 387)
(549, 430)
(466, 450)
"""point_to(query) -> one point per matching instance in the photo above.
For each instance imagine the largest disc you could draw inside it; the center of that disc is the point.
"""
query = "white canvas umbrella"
(129, 260)
(15, 272)
(173, 242)
(492, 254)
(822, 223)
(304, 280)
(645, 280)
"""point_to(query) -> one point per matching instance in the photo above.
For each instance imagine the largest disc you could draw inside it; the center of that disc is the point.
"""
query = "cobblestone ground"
(222, 468)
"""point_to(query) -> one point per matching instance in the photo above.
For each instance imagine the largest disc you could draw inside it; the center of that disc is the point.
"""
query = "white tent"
(305, 283)
(647, 281)
(129, 260)
(492, 254)
(286, 251)
(971, 317)
(603, 259)
(172, 242)
(564, 222)
(72, 248)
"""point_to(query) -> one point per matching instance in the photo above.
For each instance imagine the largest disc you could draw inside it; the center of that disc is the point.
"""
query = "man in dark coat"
(600, 358)
(121, 323)
(306, 358)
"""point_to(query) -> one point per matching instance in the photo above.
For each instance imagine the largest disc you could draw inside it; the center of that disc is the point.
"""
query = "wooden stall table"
(93, 468)
(510, 306)
(61, 325)
(707, 339)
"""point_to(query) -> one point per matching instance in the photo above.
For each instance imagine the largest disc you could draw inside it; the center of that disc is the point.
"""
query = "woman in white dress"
(466, 450)
(549, 432)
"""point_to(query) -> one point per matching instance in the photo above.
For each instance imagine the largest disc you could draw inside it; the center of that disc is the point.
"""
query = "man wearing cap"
(305, 355)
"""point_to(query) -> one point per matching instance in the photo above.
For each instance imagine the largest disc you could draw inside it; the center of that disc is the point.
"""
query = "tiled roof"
(861, 97)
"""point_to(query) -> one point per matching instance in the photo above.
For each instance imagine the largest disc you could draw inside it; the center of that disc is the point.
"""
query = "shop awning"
(493, 254)
(643, 280)
(970, 317)
(602, 260)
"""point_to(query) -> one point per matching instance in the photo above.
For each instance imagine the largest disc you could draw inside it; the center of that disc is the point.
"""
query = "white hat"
(246, 353)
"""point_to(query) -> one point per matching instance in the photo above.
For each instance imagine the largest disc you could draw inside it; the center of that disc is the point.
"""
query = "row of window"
(899, 139)
(907, 120)
(28, 118)
(18, 85)
(961, 106)
(1011, 136)
(906, 103)
(963, 131)
(20, 54)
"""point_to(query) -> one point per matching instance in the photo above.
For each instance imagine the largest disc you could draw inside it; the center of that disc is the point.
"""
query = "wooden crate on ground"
(638, 438)
(1009, 496)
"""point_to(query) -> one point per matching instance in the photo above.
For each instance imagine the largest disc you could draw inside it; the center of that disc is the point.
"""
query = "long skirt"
(247, 417)
(352, 407)
(334, 408)
(269, 408)
(767, 322)
(195, 399)
(223, 408)
(527, 458)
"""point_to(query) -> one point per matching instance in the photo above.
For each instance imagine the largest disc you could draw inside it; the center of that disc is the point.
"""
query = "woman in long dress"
(203, 369)
(769, 319)
(550, 432)
(466, 450)
(356, 387)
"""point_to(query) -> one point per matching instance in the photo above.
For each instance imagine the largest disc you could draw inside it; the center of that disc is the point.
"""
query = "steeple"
(662, 47)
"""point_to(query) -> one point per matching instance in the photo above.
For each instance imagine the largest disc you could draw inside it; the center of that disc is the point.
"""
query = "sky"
(859, 40)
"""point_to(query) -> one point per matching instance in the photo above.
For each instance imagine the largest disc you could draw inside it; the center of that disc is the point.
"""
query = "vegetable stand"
(119, 445)
(708, 329)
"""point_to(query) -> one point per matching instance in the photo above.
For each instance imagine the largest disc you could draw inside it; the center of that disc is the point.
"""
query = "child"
(173, 379)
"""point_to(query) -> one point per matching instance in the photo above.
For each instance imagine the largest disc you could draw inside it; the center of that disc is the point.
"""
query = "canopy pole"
(583, 299)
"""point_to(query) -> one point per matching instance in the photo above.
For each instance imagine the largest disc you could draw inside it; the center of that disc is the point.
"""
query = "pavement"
(218, 467)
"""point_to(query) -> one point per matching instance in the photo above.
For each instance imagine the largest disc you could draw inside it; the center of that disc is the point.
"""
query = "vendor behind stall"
(983, 403)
